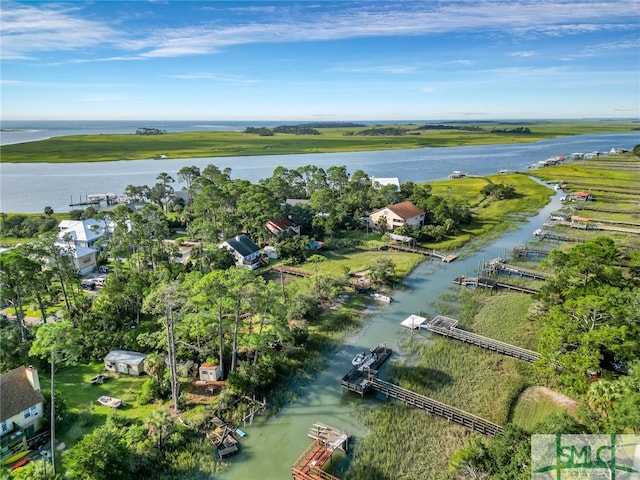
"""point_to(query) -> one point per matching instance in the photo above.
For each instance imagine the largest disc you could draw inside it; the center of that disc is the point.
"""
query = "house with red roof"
(397, 215)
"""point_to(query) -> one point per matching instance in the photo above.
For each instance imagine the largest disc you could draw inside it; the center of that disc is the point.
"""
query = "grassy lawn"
(97, 148)
(81, 398)
(534, 405)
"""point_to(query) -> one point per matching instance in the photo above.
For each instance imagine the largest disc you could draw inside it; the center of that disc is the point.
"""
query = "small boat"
(359, 359)
(112, 402)
(382, 298)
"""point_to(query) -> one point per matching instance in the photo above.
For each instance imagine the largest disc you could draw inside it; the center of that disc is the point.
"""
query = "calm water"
(30, 187)
(272, 446)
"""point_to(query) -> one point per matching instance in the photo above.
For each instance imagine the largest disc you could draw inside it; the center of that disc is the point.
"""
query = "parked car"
(103, 269)
(88, 285)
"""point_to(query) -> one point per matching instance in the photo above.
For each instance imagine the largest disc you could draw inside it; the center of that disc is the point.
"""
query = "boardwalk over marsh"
(446, 258)
(366, 380)
(447, 327)
(488, 283)
(499, 267)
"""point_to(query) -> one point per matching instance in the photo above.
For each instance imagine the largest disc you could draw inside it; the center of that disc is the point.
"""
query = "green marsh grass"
(110, 147)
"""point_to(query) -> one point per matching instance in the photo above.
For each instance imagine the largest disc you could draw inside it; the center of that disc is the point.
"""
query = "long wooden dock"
(488, 283)
(327, 440)
(446, 258)
(366, 380)
(497, 266)
(296, 272)
(433, 406)
(526, 252)
(447, 327)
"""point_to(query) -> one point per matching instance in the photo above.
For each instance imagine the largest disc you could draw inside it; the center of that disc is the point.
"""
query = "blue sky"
(320, 60)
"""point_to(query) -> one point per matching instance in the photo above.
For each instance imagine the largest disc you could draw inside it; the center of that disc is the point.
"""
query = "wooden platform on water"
(526, 252)
(488, 283)
(358, 379)
(446, 258)
(499, 267)
(327, 439)
(447, 327)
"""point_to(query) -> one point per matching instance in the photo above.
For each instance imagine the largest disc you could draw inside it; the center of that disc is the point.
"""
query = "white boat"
(112, 402)
(363, 359)
(382, 298)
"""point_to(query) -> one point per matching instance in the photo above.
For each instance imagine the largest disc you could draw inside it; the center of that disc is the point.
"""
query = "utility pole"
(53, 415)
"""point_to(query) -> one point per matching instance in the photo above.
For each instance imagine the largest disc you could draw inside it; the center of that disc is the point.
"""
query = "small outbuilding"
(124, 361)
(210, 372)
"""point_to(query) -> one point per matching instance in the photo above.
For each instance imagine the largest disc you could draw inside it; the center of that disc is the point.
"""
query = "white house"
(79, 238)
(397, 215)
(246, 253)
(21, 409)
(124, 361)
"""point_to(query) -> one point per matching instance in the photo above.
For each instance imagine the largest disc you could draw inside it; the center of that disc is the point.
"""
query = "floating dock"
(327, 440)
(358, 379)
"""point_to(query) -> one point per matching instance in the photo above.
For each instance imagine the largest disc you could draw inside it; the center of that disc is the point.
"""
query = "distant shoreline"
(99, 145)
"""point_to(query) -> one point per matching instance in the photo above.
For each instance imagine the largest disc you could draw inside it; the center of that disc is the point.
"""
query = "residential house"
(246, 253)
(584, 196)
(281, 227)
(124, 361)
(21, 410)
(397, 215)
(80, 239)
(210, 372)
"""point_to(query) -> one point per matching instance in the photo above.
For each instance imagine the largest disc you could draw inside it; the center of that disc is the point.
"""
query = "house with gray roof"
(21, 409)
(246, 253)
(125, 361)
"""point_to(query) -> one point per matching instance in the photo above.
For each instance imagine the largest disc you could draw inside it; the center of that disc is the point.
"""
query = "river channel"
(273, 445)
(29, 187)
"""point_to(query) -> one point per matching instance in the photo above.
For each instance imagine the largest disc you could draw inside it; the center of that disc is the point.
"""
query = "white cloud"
(524, 54)
(32, 28)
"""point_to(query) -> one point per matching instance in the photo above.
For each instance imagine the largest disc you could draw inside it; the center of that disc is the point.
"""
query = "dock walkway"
(446, 326)
(296, 272)
(433, 406)
(497, 266)
(366, 380)
(423, 251)
(327, 440)
(488, 283)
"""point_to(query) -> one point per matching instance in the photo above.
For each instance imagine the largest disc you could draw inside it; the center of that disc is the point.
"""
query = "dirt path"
(537, 392)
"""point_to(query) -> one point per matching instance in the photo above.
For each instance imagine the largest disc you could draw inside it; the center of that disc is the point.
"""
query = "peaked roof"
(405, 210)
(17, 393)
(125, 356)
(242, 244)
(83, 230)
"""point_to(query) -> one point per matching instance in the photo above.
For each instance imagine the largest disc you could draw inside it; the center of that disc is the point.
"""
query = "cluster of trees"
(150, 131)
(467, 128)
(499, 191)
(379, 131)
(590, 310)
(290, 129)
(522, 130)
(26, 226)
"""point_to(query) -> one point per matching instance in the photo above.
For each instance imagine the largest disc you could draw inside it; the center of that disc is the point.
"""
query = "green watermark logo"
(585, 457)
